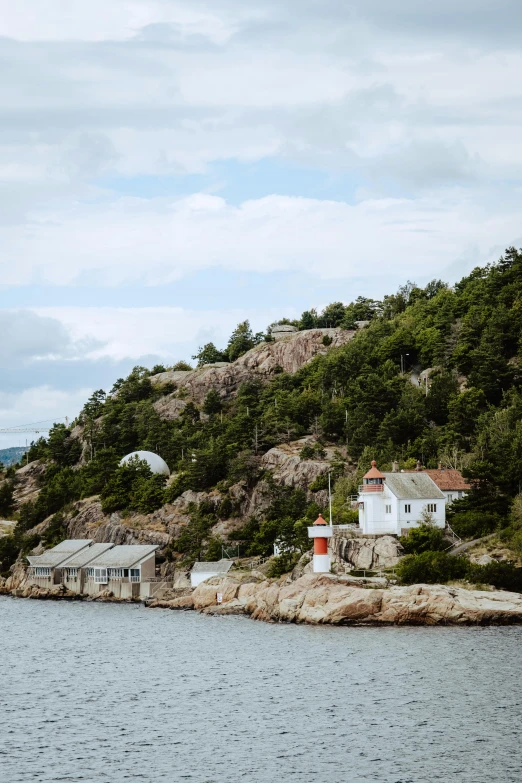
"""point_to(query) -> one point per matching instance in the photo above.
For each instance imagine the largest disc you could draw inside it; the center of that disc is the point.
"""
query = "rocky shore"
(328, 599)
(325, 599)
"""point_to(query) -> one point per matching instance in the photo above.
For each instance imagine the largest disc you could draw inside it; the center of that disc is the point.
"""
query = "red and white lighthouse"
(321, 532)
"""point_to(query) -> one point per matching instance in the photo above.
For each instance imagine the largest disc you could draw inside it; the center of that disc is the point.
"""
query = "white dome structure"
(154, 461)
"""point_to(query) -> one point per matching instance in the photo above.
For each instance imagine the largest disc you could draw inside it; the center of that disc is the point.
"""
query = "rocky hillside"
(250, 441)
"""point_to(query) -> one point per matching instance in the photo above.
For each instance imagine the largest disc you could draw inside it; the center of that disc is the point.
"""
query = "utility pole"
(330, 496)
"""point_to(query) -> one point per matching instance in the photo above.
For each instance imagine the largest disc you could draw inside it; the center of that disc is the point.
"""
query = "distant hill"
(12, 455)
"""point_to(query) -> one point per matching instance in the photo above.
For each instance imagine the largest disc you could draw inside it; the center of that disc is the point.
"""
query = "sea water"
(110, 693)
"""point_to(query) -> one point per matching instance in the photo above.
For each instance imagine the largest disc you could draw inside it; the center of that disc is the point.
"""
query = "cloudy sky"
(169, 168)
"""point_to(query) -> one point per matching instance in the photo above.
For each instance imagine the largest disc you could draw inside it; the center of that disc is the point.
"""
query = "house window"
(407, 508)
(450, 497)
(388, 509)
(115, 573)
(41, 571)
(72, 571)
(135, 574)
(90, 572)
(100, 576)
(432, 508)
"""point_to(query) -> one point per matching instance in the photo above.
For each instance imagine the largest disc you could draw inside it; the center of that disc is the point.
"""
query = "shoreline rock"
(324, 599)
(327, 599)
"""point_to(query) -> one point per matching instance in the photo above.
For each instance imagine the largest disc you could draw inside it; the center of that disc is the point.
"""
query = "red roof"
(373, 472)
(448, 480)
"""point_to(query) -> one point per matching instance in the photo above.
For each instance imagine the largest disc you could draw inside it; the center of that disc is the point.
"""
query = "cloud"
(157, 241)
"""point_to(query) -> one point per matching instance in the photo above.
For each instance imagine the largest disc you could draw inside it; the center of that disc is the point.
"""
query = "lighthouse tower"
(321, 532)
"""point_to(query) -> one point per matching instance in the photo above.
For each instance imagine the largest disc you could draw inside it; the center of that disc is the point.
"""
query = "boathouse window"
(72, 572)
(407, 508)
(42, 571)
(388, 509)
(135, 574)
(432, 507)
(100, 576)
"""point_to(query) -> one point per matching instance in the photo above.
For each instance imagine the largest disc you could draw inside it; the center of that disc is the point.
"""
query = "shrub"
(475, 524)
(502, 575)
(327, 340)
(431, 567)
(282, 564)
(182, 367)
(439, 567)
(321, 482)
(424, 538)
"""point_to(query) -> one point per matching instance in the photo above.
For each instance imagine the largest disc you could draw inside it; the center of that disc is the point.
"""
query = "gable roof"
(417, 486)
(86, 555)
(52, 558)
(449, 480)
(219, 567)
(123, 556)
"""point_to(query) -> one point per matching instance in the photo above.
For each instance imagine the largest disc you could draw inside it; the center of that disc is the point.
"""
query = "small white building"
(202, 571)
(393, 503)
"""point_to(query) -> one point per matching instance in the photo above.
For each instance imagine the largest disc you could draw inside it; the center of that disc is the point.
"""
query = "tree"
(209, 354)
(212, 403)
(6, 498)
(182, 367)
(242, 340)
(308, 320)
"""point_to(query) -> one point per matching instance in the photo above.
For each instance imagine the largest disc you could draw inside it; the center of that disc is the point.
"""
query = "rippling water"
(112, 693)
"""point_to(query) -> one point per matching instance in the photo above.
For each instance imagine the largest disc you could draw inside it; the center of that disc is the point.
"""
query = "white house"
(392, 503)
(450, 481)
(202, 571)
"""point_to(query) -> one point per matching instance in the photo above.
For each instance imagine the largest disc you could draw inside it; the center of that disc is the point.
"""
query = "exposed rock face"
(26, 482)
(368, 553)
(323, 598)
(292, 471)
(287, 354)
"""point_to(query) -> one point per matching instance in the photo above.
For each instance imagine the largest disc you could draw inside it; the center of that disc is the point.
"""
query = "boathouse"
(127, 571)
(44, 569)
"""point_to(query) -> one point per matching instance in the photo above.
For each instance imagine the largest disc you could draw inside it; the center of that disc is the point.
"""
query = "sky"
(169, 168)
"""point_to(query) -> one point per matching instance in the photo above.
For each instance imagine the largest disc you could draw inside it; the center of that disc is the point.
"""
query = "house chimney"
(418, 466)
(395, 466)
(440, 465)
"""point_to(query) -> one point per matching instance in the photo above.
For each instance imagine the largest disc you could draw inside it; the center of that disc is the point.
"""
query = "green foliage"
(6, 498)
(182, 367)
(475, 524)
(282, 564)
(424, 538)
(439, 567)
(212, 403)
(321, 482)
(327, 340)
(209, 354)
(432, 568)
(56, 531)
(313, 451)
(354, 396)
(133, 486)
(242, 340)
